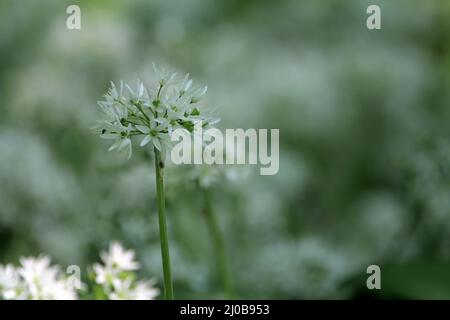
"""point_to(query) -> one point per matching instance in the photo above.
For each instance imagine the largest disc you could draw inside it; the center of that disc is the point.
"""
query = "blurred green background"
(364, 123)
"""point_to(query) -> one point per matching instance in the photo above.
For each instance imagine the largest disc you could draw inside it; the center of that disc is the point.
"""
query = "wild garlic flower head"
(151, 112)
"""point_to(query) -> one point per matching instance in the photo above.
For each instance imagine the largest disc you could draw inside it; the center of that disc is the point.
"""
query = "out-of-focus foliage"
(364, 123)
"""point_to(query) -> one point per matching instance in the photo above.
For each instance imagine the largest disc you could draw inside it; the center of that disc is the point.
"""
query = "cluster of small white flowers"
(153, 113)
(116, 276)
(34, 279)
(37, 279)
(10, 287)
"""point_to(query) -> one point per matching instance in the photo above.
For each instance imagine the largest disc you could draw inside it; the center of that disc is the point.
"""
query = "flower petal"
(115, 145)
(129, 89)
(129, 150)
(145, 140)
(188, 85)
(141, 89)
(157, 144)
(143, 129)
(108, 136)
(203, 91)
(124, 143)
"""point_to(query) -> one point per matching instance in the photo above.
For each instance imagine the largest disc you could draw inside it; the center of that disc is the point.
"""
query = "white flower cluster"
(151, 112)
(116, 276)
(35, 279)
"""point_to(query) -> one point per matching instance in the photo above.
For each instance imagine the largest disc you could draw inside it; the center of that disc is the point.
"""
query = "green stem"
(159, 170)
(159, 91)
(219, 245)
(138, 105)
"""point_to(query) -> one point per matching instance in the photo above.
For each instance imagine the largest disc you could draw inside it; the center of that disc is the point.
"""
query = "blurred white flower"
(116, 260)
(103, 274)
(116, 276)
(10, 283)
(121, 290)
(44, 281)
(127, 290)
(35, 279)
(144, 290)
(119, 258)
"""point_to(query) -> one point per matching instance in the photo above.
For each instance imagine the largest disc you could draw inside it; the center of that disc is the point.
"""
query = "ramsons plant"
(34, 279)
(153, 113)
(115, 279)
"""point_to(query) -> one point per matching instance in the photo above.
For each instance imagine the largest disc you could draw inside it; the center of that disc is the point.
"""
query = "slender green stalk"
(219, 245)
(159, 170)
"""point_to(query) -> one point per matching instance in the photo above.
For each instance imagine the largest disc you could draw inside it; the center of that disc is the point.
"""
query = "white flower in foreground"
(116, 260)
(38, 279)
(127, 290)
(103, 275)
(116, 276)
(121, 290)
(119, 258)
(43, 281)
(144, 290)
(10, 286)
(34, 279)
